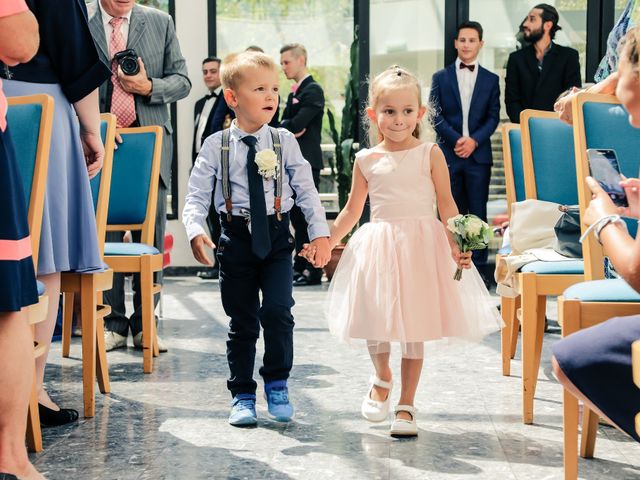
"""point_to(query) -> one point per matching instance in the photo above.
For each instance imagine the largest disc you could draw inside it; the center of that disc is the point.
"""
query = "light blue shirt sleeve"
(201, 182)
(298, 170)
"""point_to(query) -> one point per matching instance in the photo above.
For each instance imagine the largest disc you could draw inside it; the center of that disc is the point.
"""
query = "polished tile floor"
(172, 424)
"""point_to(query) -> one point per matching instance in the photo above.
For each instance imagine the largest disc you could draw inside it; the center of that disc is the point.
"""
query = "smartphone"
(606, 171)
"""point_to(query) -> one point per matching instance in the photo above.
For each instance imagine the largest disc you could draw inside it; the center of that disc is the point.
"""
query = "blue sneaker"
(243, 410)
(277, 395)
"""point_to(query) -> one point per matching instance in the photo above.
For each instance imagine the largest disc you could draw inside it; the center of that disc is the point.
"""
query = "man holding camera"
(148, 73)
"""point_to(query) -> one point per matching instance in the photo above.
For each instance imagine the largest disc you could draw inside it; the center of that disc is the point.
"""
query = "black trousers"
(300, 227)
(470, 189)
(243, 276)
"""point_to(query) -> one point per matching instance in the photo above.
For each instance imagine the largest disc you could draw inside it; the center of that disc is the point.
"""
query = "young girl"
(395, 278)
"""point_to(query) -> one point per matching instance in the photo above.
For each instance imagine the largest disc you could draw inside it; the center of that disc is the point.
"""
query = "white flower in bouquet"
(469, 233)
(267, 162)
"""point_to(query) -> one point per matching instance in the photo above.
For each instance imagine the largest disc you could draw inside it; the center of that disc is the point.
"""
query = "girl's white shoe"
(404, 428)
(373, 410)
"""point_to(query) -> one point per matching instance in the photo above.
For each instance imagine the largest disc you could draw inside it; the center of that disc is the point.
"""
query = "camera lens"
(129, 65)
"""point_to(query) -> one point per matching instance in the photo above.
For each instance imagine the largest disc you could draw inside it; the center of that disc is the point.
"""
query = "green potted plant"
(342, 166)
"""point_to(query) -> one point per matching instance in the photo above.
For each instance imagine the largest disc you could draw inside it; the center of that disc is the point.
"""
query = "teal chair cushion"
(615, 290)
(568, 267)
(130, 179)
(41, 288)
(554, 160)
(24, 121)
(117, 248)
(515, 144)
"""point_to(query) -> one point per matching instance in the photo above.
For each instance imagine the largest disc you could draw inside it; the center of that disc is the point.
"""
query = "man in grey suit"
(138, 100)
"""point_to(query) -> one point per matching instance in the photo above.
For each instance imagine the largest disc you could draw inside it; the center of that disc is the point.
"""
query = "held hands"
(138, 84)
(93, 152)
(463, 260)
(465, 146)
(199, 247)
(318, 252)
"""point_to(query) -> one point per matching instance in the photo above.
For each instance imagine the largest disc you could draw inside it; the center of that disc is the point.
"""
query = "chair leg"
(102, 367)
(34, 433)
(515, 331)
(589, 432)
(156, 348)
(507, 311)
(570, 430)
(67, 320)
(88, 314)
(148, 321)
(532, 332)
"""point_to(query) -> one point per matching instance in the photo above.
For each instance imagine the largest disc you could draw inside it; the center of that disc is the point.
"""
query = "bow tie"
(470, 67)
(211, 95)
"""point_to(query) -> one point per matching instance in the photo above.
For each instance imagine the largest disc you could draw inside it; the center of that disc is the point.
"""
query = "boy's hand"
(199, 250)
(322, 251)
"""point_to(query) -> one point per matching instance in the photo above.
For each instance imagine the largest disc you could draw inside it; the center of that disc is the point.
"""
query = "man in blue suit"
(466, 102)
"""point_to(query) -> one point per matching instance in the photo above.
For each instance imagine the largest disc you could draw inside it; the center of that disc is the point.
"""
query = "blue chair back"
(606, 125)
(515, 145)
(24, 130)
(554, 164)
(131, 178)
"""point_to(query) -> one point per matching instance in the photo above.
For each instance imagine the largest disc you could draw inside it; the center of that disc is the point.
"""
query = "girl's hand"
(463, 260)
(601, 205)
(308, 252)
(632, 189)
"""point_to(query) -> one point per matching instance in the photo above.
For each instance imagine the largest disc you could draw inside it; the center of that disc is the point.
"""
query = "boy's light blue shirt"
(296, 177)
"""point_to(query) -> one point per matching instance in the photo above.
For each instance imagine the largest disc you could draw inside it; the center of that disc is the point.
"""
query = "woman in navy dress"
(595, 364)
(66, 67)
(18, 43)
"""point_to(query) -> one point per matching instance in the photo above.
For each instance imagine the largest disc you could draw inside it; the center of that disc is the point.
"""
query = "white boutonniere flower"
(267, 162)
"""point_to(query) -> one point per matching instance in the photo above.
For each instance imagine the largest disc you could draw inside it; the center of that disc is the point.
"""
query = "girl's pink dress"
(394, 282)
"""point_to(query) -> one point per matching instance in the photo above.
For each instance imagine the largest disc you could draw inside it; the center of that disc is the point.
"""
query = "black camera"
(128, 61)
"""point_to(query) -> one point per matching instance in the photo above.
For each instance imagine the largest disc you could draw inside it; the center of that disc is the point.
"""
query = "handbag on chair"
(567, 231)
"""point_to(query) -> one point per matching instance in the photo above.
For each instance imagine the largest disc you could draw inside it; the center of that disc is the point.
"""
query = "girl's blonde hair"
(235, 66)
(394, 78)
(629, 48)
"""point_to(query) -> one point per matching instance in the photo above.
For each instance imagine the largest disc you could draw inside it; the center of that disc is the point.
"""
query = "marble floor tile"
(172, 424)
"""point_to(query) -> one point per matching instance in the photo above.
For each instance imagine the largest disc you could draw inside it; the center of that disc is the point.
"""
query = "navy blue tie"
(260, 240)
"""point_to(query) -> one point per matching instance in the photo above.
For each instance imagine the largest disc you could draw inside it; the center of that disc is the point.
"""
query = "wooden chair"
(90, 287)
(514, 180)
(132, 206)
(635, 360)
(549, 173)
(599, 122)
(30, 120)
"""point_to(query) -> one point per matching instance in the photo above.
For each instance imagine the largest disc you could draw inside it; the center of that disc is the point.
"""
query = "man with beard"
(540, 72)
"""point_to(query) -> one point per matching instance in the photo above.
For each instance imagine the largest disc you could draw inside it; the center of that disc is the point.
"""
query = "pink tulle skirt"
(394, 283)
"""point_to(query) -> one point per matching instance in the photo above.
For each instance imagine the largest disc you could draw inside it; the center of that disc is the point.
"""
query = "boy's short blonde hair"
(234, 67)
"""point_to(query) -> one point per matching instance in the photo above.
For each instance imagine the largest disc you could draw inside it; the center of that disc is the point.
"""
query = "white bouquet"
(469, 233)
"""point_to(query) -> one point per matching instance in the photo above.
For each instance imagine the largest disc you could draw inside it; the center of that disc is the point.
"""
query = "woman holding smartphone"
(595, 364)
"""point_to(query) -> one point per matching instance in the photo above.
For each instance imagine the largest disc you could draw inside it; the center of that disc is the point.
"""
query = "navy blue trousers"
(243, 276)
(470, 189)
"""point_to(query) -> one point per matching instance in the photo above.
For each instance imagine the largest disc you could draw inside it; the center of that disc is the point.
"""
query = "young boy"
(253, 198)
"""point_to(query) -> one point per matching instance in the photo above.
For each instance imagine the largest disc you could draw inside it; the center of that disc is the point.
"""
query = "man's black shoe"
(303, 281)
(211, 274)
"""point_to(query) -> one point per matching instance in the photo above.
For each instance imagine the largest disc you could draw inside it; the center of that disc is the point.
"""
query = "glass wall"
(408, 33)
(501, 19)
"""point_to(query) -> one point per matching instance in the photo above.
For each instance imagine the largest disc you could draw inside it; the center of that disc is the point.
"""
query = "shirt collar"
(106, 18)
(238, 134)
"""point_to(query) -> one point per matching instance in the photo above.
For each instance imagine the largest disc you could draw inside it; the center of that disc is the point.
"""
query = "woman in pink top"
(18, 43)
